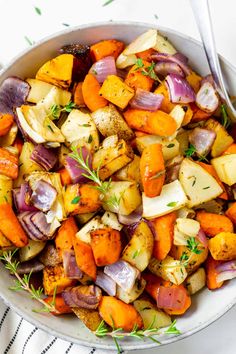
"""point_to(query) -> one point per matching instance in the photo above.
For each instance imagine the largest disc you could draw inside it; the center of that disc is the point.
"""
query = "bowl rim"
(46, 328)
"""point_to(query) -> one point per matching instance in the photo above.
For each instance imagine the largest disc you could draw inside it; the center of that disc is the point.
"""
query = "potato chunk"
(112, 156)
(151, 316)
(223, 139)
(110, 122)
(196, 281)
(54, 277)
(138, 252)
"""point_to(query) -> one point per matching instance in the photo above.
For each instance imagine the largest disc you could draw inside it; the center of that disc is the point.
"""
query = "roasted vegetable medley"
(117, 185)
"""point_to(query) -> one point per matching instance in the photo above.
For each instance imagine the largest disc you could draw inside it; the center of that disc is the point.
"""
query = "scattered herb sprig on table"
(23, 283)
(150, 332)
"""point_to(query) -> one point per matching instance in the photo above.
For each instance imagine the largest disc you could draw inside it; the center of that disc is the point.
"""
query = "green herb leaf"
(172, 329)
(38, 11)
(226, 122)
(192, 245)
(49, 127)
(136, 253)
(172, 204)
(206, 187)
(170, 145)
(90, 139)
(65, 24)
(76, 200)
(107, 2)
(156, 17)
(190, 151)
(29, 40)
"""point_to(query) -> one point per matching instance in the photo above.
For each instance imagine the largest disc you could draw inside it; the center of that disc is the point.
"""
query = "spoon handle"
(203, 19)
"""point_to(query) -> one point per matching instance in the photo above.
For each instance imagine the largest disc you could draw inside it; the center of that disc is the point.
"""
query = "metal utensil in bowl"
(203, 19)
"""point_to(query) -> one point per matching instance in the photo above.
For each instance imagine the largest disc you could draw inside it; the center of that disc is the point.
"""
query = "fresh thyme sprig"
(192, 245)
(191, 150)
(23, 283)
(114, 201)
(101, 186)
(148, 70)
(55, 110)
(150, 332)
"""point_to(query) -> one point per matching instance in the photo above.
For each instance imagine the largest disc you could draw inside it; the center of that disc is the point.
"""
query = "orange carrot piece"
(60, 305)
(136, 79)
(231, 213)
(90, 90)
(146, 54)
(230, 150)
(213, 224)
(8, 164)
(84, 257)
(152, 170)
(65, 177)
(164, 232)
(198, 114)
(118, 314)
(18, 143)
(210, 169)
(110, 47)
(138, 133)
(211, 274)
(157, 123)
(10, 226)
(153, 285)
(106, 246)
(65, 234)
(6, 121)
(78, 95)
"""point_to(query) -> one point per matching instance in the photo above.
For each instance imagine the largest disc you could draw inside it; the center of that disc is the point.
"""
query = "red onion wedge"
(181, 57)
(35, 225)
(75, 170)
(70, 266)
(171, 297)
(201, 236)
(226, 271)
(164, 57)
(179, 89)
(32, 231)
(84, 296)
(123, 274)
(46, 158)
(164, 68)
(207, 98)
(102, 68)
(19, 196)
(43, 196)
(202, 139)
(146, 100)
(13, 93)
(106, 283)
(132, 218)
(32, 266)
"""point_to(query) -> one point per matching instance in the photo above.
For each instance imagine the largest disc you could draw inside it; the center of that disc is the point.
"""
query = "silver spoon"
(203, 19)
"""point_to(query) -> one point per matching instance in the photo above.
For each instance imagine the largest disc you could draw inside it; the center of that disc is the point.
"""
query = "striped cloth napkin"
(17, 336)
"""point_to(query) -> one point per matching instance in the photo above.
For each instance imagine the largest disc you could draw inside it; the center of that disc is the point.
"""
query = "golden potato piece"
(90, 318)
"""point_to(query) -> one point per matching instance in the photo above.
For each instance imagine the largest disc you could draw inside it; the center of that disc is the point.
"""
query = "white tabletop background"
(20, 21)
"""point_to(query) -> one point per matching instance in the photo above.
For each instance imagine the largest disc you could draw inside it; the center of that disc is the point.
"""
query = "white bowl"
(207, 306)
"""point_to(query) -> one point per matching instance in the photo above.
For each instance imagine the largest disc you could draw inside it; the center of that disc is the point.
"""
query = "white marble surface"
(18, 19)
